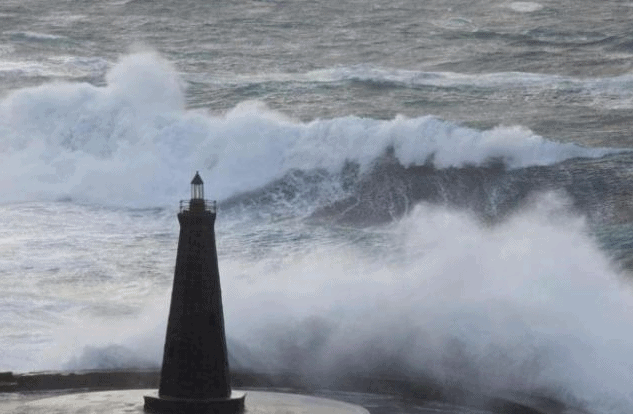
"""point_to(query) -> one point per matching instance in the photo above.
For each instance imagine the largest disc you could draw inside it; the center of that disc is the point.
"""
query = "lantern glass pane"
(197, 191)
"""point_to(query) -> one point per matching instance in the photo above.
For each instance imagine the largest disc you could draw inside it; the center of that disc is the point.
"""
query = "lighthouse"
(195, 372)
(194, 378)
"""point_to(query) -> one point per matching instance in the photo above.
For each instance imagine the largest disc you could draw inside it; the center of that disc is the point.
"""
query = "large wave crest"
(134, 142)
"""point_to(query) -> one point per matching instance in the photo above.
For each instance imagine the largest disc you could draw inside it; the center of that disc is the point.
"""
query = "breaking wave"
(133, 141)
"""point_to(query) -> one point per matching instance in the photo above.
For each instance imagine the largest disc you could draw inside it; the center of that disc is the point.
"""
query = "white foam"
(446, 79)
(24, 69)
(525, 6)
(80, 66)
(35, 36)
(55, 67)
(133, 141)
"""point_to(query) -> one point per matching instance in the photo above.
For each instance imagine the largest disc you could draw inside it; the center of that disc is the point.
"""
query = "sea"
(405, 188)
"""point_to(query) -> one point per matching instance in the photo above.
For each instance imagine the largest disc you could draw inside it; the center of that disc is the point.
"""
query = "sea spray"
(527, 304)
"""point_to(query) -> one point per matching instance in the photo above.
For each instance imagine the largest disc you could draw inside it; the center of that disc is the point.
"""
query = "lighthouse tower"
(195, 372)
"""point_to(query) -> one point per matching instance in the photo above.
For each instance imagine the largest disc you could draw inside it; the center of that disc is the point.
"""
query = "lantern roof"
(197, 179)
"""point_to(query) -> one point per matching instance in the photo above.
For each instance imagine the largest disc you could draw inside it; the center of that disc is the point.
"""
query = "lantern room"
(197, 188)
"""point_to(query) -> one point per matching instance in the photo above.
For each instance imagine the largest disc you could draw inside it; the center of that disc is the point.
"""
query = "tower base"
(167, 405)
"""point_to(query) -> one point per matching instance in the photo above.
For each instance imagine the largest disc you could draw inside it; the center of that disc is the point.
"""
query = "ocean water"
(405, 188)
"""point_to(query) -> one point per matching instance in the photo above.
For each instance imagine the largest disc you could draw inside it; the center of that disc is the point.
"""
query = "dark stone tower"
(195, 373)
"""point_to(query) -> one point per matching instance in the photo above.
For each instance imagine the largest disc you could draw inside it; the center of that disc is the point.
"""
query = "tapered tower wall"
(195, 361)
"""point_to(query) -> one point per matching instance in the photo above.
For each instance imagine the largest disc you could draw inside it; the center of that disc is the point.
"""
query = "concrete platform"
(131, 402)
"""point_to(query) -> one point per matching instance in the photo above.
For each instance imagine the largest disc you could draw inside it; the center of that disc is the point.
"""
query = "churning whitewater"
(407, 190)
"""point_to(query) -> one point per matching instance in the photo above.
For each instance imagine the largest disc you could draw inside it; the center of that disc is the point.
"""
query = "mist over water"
(531, 304)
